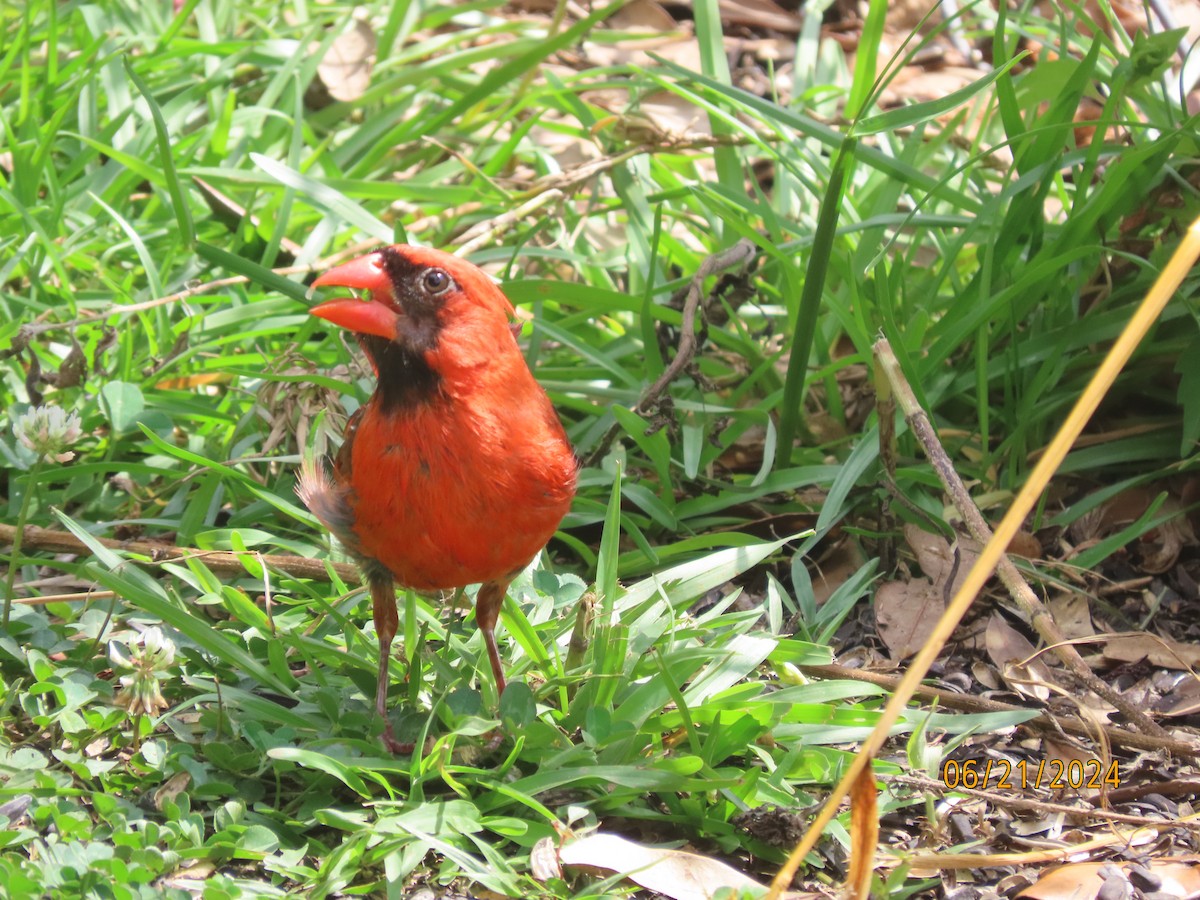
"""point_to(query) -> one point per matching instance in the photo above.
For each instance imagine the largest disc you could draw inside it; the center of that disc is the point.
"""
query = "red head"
(431, 319)
(406, 282)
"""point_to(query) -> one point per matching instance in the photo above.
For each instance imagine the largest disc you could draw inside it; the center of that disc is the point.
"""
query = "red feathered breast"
(446, 500)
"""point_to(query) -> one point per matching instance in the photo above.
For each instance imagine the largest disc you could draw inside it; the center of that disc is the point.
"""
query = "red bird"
(457, 470)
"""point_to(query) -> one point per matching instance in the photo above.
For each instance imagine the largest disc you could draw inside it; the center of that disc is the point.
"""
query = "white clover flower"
(48, 432)
(141, 691)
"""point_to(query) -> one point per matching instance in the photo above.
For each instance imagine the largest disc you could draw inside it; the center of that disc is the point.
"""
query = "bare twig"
(739, 254)
(222, 562)
(1039, 616)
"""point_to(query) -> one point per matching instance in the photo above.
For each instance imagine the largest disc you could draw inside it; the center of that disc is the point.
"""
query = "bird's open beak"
(374, 316)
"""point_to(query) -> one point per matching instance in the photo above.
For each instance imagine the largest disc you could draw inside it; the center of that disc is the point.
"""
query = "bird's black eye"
(436, 281)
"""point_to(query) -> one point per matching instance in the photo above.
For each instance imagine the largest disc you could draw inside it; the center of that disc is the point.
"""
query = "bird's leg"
(487, 611)
(383, 609)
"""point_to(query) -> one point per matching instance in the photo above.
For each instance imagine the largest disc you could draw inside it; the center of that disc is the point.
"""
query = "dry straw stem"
(222, 562)
(1147, 313)
(1036, 611)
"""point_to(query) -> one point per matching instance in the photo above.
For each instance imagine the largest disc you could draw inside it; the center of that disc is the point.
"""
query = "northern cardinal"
(457, 471)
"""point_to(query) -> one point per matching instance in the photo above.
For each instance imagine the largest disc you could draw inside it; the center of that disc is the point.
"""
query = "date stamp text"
(1023, 775)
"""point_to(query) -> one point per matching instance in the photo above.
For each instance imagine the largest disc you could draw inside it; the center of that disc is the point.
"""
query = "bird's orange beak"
(374, 316)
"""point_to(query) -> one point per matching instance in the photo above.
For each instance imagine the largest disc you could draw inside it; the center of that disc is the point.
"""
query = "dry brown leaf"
(904, 16)
(1079, 881)
(906, 613)
(1007, 648)
(1183, 700)
(673, 115)
(932, 551)
(985, 675)
(644, 16)
(1086, 760)
(936, 557)
(760, 14)
(655, 117)
(1160, 651)
(678, 46)
(171, 788)
(1073, 615)
(345, 70)
(1025, 545)
(835, 567)
(98, 748)
(1160, 547)
(1122, 509)
(543, 860)
(673, 873)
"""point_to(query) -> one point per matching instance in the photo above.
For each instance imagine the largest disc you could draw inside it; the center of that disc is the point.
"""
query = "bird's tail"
(327, 501)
